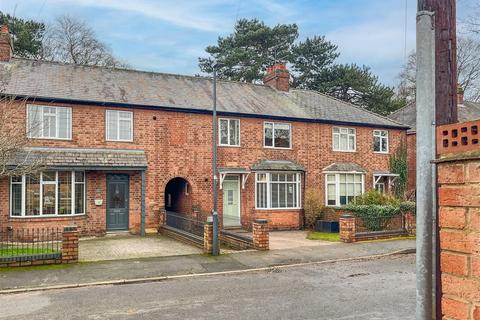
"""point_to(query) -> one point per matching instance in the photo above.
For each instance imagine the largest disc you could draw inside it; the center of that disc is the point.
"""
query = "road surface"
(369, 289)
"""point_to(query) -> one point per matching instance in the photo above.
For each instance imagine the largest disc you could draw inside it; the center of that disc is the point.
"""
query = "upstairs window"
(380, 141)
(46, 122)
(119, 125)
(229, 132)
(344, 139)
(277, 135)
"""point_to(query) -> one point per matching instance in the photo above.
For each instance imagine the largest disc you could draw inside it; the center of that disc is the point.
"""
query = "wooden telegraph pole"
(445, 58)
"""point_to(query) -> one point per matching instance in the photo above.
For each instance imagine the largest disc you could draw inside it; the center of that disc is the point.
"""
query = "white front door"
(231, 201)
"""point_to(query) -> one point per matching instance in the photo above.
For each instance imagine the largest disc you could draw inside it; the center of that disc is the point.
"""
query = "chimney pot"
(277, 77)
(6, 44)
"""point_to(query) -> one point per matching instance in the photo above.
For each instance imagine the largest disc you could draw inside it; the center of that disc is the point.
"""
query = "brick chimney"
(6, 44)
(460, 92)
(277, 77)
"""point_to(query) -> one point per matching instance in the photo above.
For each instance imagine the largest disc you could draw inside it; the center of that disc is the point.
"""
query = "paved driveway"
(125, 246)
(293, 239)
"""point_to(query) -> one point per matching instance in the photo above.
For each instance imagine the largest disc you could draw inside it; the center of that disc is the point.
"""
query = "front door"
(231, 201)
(117, 202)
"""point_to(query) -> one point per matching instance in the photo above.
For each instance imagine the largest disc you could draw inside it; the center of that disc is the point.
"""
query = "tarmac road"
(382, 288)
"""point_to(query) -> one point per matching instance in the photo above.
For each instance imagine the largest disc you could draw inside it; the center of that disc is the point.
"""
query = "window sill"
(228, 146)
(61, 139)
(380, 152)
(122, 141)
(278, 148)
(277, 209)
(349, 151)
(53, 217)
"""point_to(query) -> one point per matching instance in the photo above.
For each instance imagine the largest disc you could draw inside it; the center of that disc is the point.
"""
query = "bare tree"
(71, 40)
(468, 71)
(16, 158)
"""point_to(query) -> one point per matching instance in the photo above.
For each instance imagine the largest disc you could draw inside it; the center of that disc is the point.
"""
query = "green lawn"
(326, 236)
(4, 252)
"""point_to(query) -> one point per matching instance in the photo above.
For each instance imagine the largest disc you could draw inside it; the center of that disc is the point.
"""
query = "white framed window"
(119, 125)
(380, 187)
(47, 122)
(342, 188)
(229, 132)
(49, 193)
(277, 190)
(380, 141)
(277, 135)
(344, 139)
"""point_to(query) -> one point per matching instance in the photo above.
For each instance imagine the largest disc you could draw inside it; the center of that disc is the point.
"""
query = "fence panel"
(30, 244)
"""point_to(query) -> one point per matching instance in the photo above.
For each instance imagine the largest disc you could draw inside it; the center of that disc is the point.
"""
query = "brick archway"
(178, 195)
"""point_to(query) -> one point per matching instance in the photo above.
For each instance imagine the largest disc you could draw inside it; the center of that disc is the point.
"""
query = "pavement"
(144, 269)
(293, 239)
(126, 246)
(381, 288)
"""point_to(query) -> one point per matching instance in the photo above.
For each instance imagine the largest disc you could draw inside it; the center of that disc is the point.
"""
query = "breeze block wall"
(459, 219)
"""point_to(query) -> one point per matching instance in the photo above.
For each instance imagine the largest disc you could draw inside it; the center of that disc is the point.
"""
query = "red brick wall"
(179, 145)
(459, 194)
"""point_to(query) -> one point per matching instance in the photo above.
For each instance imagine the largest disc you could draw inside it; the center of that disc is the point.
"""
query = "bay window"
(343, 188)
(277, 190)
(49, 193)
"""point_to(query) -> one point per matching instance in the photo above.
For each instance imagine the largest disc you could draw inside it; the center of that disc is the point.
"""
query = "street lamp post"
(215, 246)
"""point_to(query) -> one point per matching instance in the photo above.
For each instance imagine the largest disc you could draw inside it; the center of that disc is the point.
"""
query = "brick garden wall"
(179, 145)
(459, 211)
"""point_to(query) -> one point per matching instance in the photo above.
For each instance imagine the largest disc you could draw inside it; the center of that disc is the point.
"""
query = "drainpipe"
(142, 217)
(425, 148)
(215, 247)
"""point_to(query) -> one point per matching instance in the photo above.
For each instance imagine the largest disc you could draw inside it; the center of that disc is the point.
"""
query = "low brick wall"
(69, 252)
(260, 234)
(353, 231)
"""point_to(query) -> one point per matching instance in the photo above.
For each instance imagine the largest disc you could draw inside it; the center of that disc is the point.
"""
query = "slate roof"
(276, 165)
(467, 111)
(344, 167)
(56, 81)
(91, 159)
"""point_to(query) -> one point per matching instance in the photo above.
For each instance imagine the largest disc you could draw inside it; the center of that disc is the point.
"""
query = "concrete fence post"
(70, 244)
(260, 235)
(347, 228)
(208, 236)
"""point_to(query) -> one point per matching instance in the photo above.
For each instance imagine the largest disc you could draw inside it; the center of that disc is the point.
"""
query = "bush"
(375, 217)
(374, 197)
(408, 207)
(313, 208)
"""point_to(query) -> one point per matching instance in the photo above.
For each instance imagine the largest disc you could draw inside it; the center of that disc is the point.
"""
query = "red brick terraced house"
(119, 145)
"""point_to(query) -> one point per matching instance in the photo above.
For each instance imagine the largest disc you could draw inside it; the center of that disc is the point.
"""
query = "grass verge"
(326, 236)
(8, 252)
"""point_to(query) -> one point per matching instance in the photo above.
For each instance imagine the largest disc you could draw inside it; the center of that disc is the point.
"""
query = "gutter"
(201, 111)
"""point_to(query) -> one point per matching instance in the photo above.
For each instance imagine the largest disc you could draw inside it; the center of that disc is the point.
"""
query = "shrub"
(374, 197)
(408, 207)
(375, 217)
(313, 208)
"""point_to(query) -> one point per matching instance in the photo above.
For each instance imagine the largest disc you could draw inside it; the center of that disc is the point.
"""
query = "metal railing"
(184, 223)
(376, 224)
(28, 244)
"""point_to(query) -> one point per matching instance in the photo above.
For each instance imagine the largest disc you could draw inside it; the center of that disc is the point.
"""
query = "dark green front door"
(117, 202)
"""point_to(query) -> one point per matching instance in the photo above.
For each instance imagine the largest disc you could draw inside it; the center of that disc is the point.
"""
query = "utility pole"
(437, 87)
(215, 246)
